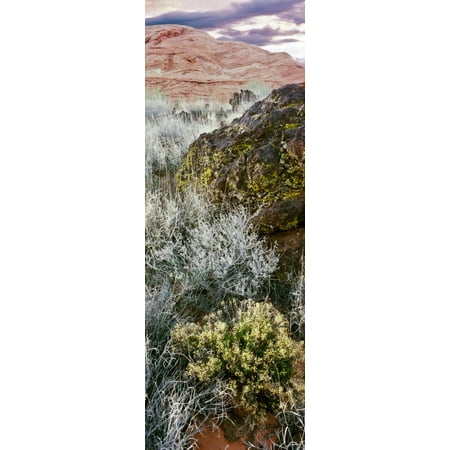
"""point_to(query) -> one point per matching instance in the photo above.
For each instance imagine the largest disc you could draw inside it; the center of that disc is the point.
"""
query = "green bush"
(251, 350)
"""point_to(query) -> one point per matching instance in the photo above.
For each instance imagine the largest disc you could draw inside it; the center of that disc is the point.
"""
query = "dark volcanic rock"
(240, 98)
(257, 161)
(290, 246)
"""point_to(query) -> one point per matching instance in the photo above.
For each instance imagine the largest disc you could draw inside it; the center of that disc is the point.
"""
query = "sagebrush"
(250, 350)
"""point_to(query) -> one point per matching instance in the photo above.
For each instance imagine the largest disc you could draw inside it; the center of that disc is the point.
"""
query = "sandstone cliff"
(189, 64)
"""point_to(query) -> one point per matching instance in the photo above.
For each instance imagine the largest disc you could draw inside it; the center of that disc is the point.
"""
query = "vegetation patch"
(251, 351)
(212, 354)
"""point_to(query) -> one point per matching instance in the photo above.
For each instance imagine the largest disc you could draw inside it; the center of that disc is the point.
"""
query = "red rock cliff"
(189, 64)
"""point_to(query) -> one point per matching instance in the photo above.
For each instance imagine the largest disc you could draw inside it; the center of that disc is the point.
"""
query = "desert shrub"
(176, 408)
(209, 254)
(156, 102)
(297, 305)
(168, 218)
(167, 138)
(251, 350)
(291, 433)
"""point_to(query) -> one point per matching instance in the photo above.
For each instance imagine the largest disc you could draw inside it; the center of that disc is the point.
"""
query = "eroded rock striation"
(256, 161)
(189, 64)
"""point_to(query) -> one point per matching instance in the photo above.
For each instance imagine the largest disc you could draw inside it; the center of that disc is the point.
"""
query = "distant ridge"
(189, 64)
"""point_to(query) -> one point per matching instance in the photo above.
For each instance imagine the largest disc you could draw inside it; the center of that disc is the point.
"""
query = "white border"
(72, 227)
(71, 187)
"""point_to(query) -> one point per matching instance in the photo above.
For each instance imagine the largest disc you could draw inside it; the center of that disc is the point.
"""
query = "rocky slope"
(257, 161)
(189, 64)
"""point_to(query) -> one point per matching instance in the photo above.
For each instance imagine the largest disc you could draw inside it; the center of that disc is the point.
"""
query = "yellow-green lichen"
(217, 157)
(239, 149)
(287, 195)
(290, 225)
(205, 177)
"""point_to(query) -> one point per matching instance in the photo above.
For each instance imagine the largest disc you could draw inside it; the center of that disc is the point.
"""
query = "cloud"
(295, 15)
(258, 36)
(234, 13)
(260, 42)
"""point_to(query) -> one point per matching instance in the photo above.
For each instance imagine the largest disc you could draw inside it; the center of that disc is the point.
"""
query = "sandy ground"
(213, 439)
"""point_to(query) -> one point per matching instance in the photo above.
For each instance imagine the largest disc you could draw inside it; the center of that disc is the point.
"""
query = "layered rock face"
(189, 64)
(257, 161)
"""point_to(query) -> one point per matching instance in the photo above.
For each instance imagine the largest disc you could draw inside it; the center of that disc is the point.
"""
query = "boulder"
(256, 161)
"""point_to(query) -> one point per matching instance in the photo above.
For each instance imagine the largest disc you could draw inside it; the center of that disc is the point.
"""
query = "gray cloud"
(295, 15)
(261, 36)
(288, 9)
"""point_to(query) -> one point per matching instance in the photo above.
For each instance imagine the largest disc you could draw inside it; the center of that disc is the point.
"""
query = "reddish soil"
(213, 439)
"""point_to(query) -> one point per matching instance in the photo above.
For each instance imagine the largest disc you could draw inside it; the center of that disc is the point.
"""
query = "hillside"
(189, 64)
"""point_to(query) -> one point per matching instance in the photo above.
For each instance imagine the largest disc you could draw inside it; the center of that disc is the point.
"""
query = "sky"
(275, 25)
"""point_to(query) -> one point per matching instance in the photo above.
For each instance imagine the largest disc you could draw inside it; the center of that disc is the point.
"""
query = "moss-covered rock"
(258, 161)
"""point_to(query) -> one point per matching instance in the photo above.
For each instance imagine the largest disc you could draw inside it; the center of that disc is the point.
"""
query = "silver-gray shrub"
(171, 127)
(167, 139)
(167, 217)
(297, 305)
(176, 407)
(208, 254)
(289, 435)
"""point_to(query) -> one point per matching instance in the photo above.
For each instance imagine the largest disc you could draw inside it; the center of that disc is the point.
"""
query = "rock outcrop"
(189, 64)
(256, 161)
(241, 98)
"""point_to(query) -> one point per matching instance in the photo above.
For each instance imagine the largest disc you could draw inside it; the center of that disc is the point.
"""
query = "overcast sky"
(275, 25)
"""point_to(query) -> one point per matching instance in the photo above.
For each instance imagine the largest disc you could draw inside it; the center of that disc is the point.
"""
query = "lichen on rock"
(257, 161)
